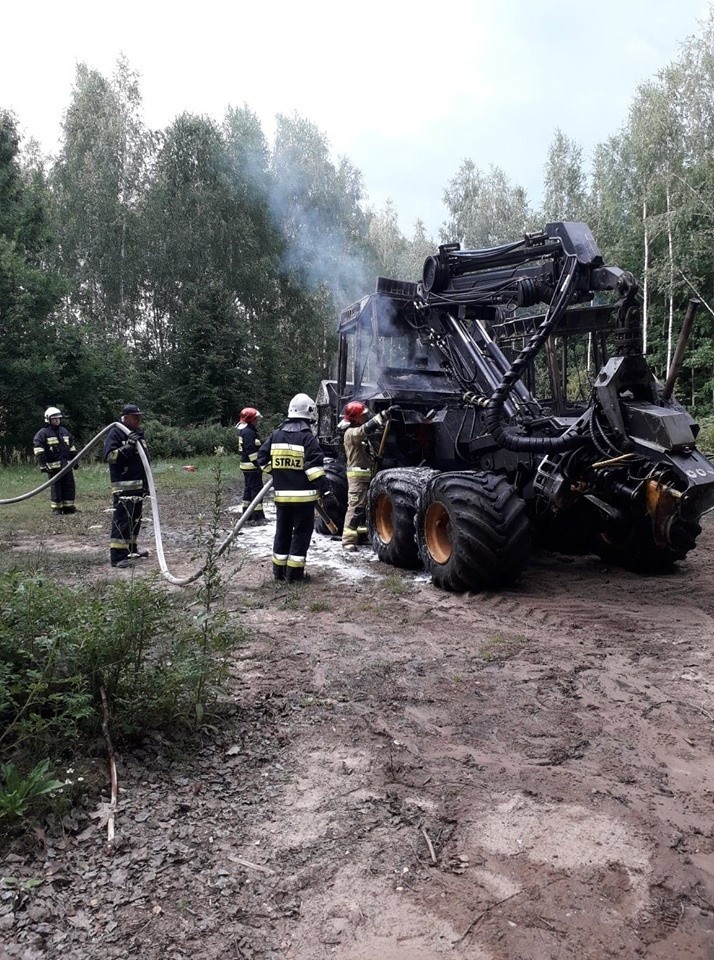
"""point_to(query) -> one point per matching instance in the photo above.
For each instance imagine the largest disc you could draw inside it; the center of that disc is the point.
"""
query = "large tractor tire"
(337, 477)
(473, 531)
(634, 547)
(392, 503)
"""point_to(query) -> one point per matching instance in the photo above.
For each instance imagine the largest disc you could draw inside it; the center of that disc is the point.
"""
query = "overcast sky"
(406, 90)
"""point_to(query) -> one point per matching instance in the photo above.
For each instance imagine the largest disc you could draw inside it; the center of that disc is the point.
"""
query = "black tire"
(473, 531)
(337, 477)
(392, 503)
(634, 547)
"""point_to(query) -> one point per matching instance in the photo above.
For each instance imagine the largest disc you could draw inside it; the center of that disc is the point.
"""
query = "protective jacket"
(126, 471)
(248, 444)
(359, 454)
(294, 459)
(53, 447)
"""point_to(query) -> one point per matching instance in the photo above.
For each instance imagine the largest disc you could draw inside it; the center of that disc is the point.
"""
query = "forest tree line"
(201, 267)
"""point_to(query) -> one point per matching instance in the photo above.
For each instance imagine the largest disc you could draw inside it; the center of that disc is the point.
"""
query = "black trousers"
(253, 483)
(126, 524)
(62, 494)
(293, 529)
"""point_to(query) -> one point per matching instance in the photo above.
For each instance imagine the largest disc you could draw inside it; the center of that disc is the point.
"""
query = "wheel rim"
(383, 518)
(437, 532)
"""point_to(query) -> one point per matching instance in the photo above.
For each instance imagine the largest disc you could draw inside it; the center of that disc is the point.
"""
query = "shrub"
(167, 441)
(18, 793)
(157, 659)
(705, 438)
(60, 646)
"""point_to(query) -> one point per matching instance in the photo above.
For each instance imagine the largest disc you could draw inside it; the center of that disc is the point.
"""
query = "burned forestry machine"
(528, 415)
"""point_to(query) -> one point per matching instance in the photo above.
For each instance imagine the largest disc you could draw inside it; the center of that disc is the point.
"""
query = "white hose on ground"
(223, 546)
(176, 581)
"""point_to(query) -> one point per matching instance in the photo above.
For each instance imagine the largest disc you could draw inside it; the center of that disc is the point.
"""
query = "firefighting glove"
(328, 498)
(44, 469)
(133, 438)
(391, 412)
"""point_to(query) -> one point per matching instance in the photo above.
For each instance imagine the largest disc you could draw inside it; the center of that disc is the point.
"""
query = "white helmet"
(301, 407)
(52, 412)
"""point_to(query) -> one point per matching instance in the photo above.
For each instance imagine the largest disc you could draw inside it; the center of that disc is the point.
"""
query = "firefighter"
(248, 444)
(129, 487)
(359, 429)
(293, 458)
(54, 448)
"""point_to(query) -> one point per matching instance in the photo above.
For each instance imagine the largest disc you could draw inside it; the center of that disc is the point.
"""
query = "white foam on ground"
(324, 552)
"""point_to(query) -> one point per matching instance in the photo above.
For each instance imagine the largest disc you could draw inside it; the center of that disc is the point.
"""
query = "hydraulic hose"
(507, 437)
(165, 572)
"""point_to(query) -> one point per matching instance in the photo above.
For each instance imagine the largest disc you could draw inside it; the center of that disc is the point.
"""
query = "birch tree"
(485, 209)
(98, 183)
(564, 192)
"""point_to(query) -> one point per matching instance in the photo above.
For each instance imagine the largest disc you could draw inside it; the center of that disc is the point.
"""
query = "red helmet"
(354, 411)
(249, 415)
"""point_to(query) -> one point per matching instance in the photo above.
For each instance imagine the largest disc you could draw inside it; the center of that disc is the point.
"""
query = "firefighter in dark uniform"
(360, 431)
(54, 448)
(129, 487)
(293, 458)
(248, 444)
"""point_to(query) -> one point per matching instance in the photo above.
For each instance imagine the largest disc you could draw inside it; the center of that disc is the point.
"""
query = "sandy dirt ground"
(409, 774)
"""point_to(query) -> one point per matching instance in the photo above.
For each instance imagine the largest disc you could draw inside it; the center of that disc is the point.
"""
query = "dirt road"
(411, 774)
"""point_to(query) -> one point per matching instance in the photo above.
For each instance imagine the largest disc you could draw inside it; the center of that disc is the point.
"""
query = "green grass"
(74, 548)
(93, 478)
(491, 646)
(319, 606)
(170, 473)
(33, 517)
(393, 583)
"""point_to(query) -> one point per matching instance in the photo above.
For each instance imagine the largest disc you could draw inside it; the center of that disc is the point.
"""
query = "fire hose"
(166, 573)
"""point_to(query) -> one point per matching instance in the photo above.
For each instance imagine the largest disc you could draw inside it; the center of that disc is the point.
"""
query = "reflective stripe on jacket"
(360, 458)
(295, 461)
(53, 447)
(126, 471)
(248, 445)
